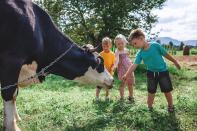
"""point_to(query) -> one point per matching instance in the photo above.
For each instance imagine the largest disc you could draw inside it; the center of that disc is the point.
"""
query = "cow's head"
(84, 66)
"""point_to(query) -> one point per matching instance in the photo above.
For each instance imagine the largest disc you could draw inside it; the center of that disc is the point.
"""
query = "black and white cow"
(26, 34)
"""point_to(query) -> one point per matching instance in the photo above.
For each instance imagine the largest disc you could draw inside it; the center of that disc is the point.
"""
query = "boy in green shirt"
(157, 72)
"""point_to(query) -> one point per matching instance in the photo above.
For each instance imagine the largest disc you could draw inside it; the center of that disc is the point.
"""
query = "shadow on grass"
(107, 113)
(128, 116)
(101, 106)
(174, 122)
(165, 122)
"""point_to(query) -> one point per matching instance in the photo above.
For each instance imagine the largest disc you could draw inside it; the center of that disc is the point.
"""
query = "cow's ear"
(84, 46)
(100, 64)
(89, 48)
(92, 50)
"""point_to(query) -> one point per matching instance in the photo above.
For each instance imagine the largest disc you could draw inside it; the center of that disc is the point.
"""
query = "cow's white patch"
(10, 122)
(93, 77)
(16, 112)
(15, 108)
(4, 115)
(26, 72)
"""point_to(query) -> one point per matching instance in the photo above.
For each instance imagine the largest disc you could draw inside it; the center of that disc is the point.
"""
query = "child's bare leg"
(130, 88)
(121, 89)
(107, 93)
(97, 92)
(150, 99)
(169, 99)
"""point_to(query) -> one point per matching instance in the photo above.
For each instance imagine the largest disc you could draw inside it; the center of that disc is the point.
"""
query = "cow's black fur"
(26, 34)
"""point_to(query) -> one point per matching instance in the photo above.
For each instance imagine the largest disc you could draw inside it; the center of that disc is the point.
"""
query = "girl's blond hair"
(122, 37)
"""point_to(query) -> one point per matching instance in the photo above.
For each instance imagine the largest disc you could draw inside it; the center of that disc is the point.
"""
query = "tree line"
(88, 21)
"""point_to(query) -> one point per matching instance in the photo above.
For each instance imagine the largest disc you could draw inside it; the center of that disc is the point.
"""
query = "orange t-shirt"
(109, 60)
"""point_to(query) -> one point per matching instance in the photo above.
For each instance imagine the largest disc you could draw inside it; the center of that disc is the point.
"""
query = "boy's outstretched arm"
(131, 69)
(170, 58)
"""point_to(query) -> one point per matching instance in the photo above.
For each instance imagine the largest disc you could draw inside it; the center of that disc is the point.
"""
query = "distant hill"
(166, 40)
(191, 42)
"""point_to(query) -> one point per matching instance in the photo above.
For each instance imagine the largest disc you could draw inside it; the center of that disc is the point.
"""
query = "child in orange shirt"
(109, 60)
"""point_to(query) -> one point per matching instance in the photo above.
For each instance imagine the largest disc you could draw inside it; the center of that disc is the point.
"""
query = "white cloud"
(178, 19)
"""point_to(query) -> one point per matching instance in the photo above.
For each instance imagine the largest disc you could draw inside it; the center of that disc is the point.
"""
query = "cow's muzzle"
(109, 84)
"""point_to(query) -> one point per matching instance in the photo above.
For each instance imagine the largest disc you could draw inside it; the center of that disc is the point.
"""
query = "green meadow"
(62, 105)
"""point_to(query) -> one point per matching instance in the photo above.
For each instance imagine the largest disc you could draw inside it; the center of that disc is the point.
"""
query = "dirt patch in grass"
(189, 62)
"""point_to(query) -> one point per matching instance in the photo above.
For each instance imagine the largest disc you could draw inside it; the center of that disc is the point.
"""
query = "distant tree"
(90, 20)
(186, 50)
(158, 41)
(174, 51)
(181, 46)
(171, 44)
(55, 8)
(153, 36)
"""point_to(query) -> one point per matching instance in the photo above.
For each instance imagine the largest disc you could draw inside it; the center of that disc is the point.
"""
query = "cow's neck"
(75, 62)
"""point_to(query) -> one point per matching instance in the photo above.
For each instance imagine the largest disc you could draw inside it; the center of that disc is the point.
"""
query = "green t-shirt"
(152, 57)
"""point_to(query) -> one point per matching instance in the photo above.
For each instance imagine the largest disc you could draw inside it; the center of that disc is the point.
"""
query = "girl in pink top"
(122, 64)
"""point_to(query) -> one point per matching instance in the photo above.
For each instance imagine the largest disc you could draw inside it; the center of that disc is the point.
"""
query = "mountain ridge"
(166, 40)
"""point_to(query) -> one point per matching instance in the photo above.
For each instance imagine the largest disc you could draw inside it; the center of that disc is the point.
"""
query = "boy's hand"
(131, 69)
(124, 77)
(169, 57)
(177, 65)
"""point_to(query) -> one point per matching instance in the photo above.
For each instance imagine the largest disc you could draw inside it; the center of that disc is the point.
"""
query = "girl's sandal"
(150, 109)
(170, 109)
(130, 98)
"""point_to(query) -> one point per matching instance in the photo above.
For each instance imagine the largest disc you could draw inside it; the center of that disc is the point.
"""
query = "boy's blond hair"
(106, 40)
(136, 34)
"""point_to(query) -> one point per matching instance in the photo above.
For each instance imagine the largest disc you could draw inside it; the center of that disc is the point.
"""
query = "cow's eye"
(100, 64)
(100, 59)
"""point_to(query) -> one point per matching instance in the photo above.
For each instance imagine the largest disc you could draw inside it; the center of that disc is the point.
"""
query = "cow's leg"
(4, 116)
(10, 116)
(10, 124)
(17, 117)
(10, 119)
(9, 76)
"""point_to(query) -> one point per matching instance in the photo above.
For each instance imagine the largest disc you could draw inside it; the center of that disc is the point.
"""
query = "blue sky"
(177, 19)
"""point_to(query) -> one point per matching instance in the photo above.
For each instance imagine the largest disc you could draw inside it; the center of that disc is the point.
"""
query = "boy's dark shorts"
(163, 78)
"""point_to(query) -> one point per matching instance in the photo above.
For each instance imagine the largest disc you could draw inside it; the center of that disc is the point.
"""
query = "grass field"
(61, 105)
